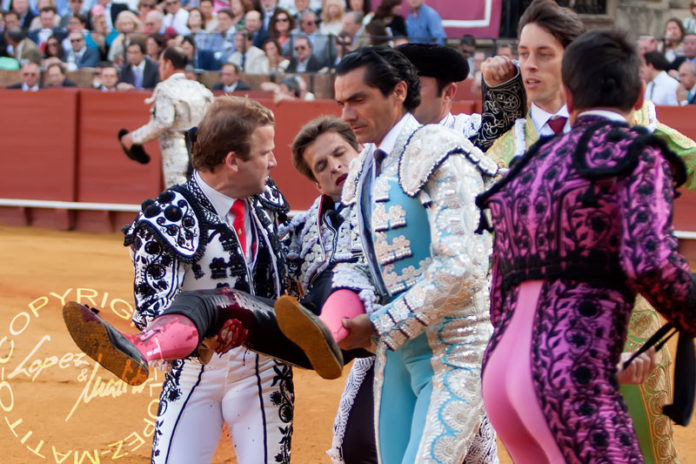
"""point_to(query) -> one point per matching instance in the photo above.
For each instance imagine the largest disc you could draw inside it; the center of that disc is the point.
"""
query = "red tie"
(237, 211)
(557, 123)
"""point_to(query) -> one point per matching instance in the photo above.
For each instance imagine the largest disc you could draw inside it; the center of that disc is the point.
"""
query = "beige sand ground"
(56, 408)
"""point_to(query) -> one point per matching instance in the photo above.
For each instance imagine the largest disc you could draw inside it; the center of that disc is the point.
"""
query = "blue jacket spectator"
(424, 24)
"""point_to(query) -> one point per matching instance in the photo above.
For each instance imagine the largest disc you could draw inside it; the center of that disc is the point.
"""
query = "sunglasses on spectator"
(282, 20)
(27, 74)
(300, 47)
(75, 40)
(309, 23)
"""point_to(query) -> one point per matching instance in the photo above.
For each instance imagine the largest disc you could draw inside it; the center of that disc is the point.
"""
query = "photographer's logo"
(49, 389)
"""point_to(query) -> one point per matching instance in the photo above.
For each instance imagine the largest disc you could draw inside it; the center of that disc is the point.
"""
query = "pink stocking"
(169, 337)
(339, 305)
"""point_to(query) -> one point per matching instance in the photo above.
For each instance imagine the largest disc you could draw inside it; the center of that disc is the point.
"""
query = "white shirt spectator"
(662, 90)
(177, 21)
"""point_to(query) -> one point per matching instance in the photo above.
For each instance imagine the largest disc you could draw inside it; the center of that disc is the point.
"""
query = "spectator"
(230, 81)
(475, 74)
(127, 24)
(23, 49)
(239, 9)
(332, 17)
(207, 8)
(344, 45)
(11, 19)
(40, 5)
(47, 17)
(79, 55)
(30, 78)
(144, 7)
(304, 60)
(190, 49)
(176, 17)
(661, 88)
(289, 89)
(282, 23)
(75, 23)
(689, 50)
(21, 7)
(424, 24)
(249, 58)
(302, 7)
(322, 46)
(506, 51)
(111, 11)
(53, 49)
(141, 72)
(467, 47)
(352, 25)
(154, 22)
(267, 8)
(108, 78)
(277, 63)
(55, 77)
(690, 22)
(154, 46)
(363, 7)
(221, 42)
(686, 92)
(389, 13)
(646, 43)
(377, 33)
(196, 21)
(254, 26)
(75, 10)
(100, 38)
(671, 46)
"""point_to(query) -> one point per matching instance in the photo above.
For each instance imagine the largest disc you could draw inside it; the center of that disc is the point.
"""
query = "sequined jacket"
(315, 241)
(423, 274)
(180, 243)
(178, 104)
(589, 212)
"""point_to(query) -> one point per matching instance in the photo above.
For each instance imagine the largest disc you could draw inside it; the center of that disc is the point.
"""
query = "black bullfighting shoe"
(103, 343)
(308, 332)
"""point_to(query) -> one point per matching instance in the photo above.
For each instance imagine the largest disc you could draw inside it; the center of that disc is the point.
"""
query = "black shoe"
(103, 343)
(307, 331)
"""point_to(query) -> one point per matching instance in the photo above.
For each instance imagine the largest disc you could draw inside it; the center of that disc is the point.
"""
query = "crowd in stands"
(231, 36)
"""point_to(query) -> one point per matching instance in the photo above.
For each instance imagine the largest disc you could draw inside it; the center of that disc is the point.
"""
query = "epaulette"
(428, 147)
(271, 199)
(175, 219)
(350, 186)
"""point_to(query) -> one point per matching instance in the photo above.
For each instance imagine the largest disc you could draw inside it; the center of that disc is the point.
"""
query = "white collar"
(606, 114)
(221, 202)
(540, 117)
(389, 140)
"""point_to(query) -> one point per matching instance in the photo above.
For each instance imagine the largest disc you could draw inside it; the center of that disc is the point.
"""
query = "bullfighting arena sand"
(58, 407)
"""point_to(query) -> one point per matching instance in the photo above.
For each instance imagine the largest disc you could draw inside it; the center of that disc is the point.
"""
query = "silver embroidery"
(393, 218)
(387, 252)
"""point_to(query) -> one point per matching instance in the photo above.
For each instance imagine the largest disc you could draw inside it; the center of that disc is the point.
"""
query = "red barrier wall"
(38, 154)
(61, 145)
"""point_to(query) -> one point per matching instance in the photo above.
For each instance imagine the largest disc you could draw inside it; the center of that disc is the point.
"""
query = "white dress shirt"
(540, 119)
(662, 90)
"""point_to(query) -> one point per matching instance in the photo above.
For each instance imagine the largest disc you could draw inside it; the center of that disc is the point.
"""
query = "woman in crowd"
(281, 25)
(671, 47)
(154, 46)
(690, 22)
(277, 63)
(127, 23)
(389, 13)
(54, 49)
(195, 21)
(101, 38)
(363, 6)
(332, 13)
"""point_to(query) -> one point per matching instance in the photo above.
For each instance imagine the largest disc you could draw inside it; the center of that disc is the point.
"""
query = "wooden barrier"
(61, 145)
